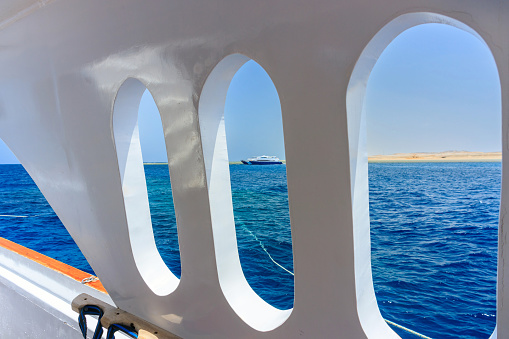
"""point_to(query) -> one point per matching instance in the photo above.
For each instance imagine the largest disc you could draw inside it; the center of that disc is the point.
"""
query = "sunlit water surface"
(433, 232)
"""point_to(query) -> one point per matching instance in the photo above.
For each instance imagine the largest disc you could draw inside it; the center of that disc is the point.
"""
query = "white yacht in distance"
(263, 160)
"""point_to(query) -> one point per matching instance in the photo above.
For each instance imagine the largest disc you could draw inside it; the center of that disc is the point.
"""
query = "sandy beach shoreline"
(448, 156)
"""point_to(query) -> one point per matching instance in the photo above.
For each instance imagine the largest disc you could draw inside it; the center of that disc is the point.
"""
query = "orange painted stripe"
(55, 265)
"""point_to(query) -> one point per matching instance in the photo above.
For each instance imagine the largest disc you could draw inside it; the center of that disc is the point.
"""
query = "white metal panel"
(60, 71)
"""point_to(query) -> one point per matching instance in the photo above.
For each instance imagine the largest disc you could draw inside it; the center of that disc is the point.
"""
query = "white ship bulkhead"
(71, 77)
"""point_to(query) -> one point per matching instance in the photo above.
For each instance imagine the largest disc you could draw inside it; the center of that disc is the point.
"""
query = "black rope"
(122, 328)
(82, 320)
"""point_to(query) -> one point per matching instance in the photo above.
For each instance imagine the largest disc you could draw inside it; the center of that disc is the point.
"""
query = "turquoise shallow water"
(433, 229)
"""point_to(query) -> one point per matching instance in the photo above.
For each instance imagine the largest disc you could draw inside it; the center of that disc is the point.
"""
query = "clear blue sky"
(151, 130)
(434, 88)
(253, 121)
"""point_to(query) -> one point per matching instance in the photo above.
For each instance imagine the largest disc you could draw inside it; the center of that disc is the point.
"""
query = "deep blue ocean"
(433, 231)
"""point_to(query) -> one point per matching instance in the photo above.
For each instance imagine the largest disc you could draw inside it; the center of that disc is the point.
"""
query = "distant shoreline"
(449, 156)
(165, 163)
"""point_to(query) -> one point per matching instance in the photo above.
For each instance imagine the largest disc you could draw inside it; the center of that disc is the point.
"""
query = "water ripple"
(434, 245)
(433, 229)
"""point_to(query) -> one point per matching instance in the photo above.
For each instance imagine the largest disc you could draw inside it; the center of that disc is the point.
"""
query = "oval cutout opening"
(254, 126)
(368, 310)
(248, 305)
(434, 212)
(157, 175)
(149, 262)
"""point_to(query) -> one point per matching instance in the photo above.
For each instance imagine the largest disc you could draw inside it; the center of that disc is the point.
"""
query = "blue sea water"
(26, 218)
(434, 245)
(262, 222)
(162, 214)
(433, 232)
